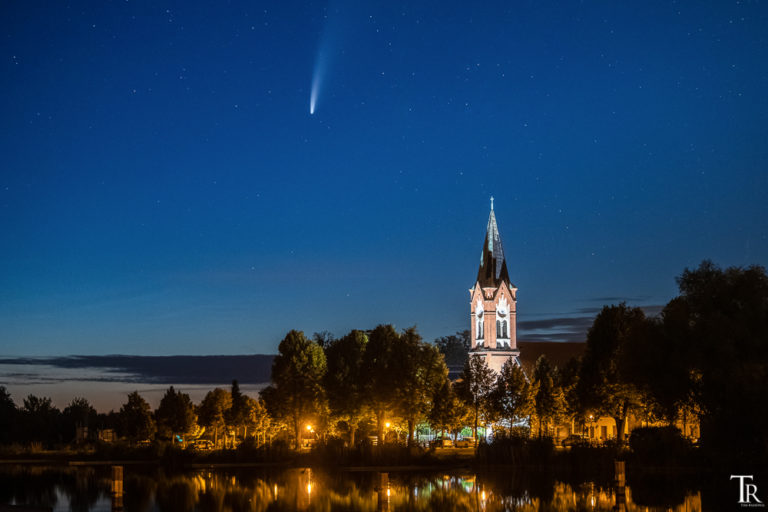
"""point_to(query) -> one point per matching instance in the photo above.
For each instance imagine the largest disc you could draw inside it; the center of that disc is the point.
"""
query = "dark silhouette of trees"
(721, 320)
(175, 415)
(454, 347)
(604, 385)
(296, 395)
(654, 361)
(237, 415)
(79, 413)
(567, 381)
(39, 421)
(345, 381)
(474, 387)
(8, 417)
(135, 419)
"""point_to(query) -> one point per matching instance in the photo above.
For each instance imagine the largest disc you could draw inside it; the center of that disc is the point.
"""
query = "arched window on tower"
(480, 326)
(479, 323)
(502, 313)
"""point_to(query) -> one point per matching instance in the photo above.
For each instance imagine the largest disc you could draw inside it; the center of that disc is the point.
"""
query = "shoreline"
(452, 465)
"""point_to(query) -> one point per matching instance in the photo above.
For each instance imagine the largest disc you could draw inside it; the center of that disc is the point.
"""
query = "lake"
(275, 489)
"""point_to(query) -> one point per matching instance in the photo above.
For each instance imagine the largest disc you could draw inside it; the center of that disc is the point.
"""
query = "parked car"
(442, 443)
(467, 442)
(203, 445)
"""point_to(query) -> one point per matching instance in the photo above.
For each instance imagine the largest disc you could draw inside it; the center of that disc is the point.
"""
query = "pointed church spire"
(493, 267)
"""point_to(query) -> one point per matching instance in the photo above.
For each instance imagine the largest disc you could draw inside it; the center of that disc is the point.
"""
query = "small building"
(106, 435)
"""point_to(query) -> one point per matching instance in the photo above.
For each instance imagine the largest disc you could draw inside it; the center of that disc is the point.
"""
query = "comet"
(316, 82)
(317, 79)
(329, 41)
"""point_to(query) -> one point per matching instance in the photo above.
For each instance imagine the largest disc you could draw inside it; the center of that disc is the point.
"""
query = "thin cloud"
(568, 328)
(618, 299)
(570, 337)
(567, 323)
(247, 369)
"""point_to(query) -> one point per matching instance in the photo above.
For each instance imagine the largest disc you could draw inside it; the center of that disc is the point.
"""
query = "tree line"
(704, 357)
(222, 415)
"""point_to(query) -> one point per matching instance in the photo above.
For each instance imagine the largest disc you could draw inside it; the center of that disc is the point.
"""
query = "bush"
(659, 445)
(516, 449)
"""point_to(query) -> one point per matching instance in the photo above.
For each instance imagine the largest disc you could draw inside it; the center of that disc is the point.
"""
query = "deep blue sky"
(164, 189)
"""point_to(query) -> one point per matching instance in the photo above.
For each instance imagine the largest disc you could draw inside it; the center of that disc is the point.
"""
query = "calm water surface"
(88, 489)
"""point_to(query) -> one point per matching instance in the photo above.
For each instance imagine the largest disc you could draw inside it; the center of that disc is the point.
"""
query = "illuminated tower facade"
(493, 304)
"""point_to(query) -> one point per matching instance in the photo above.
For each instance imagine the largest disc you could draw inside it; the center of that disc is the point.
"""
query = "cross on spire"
(491, 202)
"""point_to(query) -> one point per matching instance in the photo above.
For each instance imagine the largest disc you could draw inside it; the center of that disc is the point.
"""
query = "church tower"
(493, 304)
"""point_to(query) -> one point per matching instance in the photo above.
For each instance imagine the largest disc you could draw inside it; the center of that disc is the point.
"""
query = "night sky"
(165, 190)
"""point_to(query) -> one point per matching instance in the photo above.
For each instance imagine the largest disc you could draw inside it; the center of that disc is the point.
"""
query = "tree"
(176, 414)
(344, 381)
(380, 368)
(257, 418)
(296, 394)
(548, 400)
(604, 385)
(236, 415)
(79, 413)
(39, 420)
(420, 373)
(454, 347)
(657, 365)
(721, 321)
(447, 410)
(567, 380)
(135, 418)
(474, 387)
(8, 416)
(511, 397)
(212, 412)
(323, 338)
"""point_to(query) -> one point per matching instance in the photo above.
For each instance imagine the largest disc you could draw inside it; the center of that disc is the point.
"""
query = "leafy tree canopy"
(296, 395)
(135, 418)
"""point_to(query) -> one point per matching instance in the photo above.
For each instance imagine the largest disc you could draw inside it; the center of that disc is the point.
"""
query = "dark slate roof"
(558, 353)
(493, 267)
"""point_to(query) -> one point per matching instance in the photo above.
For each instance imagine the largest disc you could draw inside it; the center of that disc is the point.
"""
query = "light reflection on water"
(259, 489)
